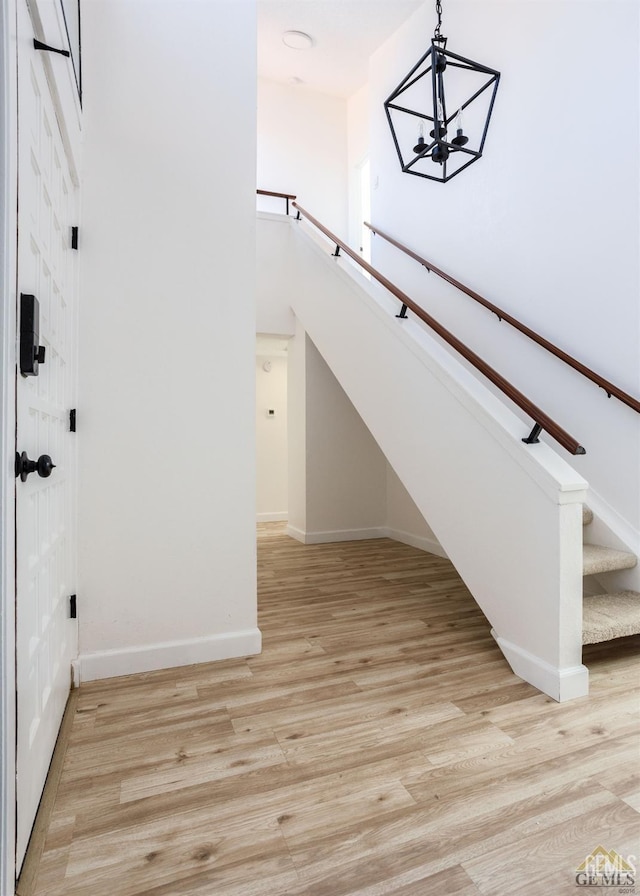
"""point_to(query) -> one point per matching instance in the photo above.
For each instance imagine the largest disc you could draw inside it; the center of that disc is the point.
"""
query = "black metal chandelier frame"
(440, 149)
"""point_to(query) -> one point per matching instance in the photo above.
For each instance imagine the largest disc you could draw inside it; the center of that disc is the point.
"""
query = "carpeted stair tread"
(597, 558)
(587, 515)
(609, 616)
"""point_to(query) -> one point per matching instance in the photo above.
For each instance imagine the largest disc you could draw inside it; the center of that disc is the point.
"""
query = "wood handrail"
(609, 388)
(272, 193)
(286, 196)
(542, 420)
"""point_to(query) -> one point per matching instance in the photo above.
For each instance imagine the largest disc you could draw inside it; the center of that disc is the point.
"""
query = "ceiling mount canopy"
(442, 94)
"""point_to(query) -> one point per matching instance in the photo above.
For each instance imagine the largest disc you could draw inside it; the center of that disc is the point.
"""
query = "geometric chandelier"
(438, 133)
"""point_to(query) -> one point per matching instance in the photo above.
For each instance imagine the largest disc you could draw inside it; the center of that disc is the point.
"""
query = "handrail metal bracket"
(403, 312)
(336, 254)
(532, 438)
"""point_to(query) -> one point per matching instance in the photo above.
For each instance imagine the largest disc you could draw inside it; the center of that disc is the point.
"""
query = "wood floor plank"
(549, 848)
(212, 765)
(422, 842)
(361, 706)
(379, 745)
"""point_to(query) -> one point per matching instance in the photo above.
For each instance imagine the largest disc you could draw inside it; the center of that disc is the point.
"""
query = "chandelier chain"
(436, 33)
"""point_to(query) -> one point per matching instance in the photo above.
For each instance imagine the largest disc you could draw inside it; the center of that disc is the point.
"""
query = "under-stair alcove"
(341, 485)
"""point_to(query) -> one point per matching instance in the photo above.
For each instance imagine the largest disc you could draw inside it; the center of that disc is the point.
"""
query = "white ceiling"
(345, 33)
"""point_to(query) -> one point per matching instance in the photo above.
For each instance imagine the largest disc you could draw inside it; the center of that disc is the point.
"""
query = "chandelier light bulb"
(420, 145)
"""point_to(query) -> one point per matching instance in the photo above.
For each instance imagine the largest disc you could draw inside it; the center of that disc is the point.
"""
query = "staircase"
(452, 442)
(607, 616)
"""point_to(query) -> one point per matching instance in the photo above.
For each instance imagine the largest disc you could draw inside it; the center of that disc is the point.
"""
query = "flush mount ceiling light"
(422, 115)
(297, 40)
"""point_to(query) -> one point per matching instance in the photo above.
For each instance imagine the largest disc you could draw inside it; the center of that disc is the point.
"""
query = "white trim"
(278, 516)
(336, 535)
(8, 262)
(429, 545)
(148, 658)
(333, 535)
(560, 683)
(296, 533)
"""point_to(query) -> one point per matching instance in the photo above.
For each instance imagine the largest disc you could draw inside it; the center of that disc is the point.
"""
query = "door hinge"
(72, 420)
(74, 237)
(73, 607)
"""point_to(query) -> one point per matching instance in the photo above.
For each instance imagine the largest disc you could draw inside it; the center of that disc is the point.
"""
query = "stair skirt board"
(609, 616)
(560, 683)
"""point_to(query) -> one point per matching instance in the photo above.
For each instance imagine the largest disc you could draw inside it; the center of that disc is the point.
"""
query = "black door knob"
(43, 466)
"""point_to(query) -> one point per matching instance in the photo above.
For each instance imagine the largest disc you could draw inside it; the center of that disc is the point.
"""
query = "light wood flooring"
(379, 745)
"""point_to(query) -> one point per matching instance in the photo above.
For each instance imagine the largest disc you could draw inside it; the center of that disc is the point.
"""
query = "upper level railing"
(285, 196)
(541, 420)
(610, 388)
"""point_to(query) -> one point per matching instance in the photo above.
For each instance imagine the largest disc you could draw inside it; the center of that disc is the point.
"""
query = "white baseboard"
(335, 535)
(131, 660)
(293, 532)
(416, 541)
(560, 683)
(430, 545)
(272, 517)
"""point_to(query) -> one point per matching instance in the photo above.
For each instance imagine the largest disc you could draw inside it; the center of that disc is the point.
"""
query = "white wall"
(357, 152)
(546, 224)
(271, 437)
(297, 430)
(167, 335)
(273, 251)
(339, 490)
(346, 471)
(404, 520)
(302, 149)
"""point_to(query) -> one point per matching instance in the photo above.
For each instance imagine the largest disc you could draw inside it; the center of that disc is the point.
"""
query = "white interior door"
(46, 635)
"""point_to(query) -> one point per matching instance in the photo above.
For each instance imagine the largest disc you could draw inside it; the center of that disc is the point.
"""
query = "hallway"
(380, 744)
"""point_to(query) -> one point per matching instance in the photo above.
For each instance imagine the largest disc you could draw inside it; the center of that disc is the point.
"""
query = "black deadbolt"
(43, 466)
(32, 354)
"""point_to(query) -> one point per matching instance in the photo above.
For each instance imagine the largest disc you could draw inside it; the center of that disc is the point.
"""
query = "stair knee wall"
(507, 514)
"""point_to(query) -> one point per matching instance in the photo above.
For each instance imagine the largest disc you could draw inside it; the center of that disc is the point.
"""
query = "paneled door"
(46, 636)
